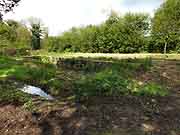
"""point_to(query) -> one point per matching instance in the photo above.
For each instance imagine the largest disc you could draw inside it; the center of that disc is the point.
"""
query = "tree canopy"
(14, 34)
(118, 34)
(166, 25)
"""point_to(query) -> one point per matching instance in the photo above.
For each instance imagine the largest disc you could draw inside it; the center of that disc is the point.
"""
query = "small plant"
(10, 94)
(152, 89)
(147, 63)
(105, 83)
(29, 105)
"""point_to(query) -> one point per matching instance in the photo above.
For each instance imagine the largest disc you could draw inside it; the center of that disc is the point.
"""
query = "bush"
(152, 89)
(101, 84)
(111, 83)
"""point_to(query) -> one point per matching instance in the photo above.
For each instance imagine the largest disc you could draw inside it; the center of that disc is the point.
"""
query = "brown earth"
(126, 115)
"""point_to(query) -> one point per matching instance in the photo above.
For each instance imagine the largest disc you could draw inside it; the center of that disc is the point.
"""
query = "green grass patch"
(30, 72)
(27, 71)
(10, 94)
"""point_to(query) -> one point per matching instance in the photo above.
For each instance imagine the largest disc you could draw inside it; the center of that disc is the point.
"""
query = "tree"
(135, 29)
(36, 36)
(13, 34)
(123, 34)
(118, 34)
(6, 6)
(166, 26)
(13, 25)
(37, 32)
(23, 36)
(4, 34)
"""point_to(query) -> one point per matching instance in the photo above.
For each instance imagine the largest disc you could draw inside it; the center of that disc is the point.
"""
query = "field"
(107, 55)
(95, 94)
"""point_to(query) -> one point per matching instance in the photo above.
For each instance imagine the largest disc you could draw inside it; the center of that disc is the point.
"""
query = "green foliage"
(36, 36)
(14, 35)
(152, 89)
(165, 26)
(147, 64)
(103, 77)
(113, 83)
(9, 93)
(29, 106)
(131, 33)
(101, 84)
(51, 44)
(117, 34)
(26, 71)
(117, 80)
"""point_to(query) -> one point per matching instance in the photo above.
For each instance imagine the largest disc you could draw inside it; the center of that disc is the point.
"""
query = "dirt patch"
(166, 73)
(78, 64)
(15, 121)
(123, 115)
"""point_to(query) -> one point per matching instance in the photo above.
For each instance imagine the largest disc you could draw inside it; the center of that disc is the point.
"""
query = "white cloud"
(60, 15)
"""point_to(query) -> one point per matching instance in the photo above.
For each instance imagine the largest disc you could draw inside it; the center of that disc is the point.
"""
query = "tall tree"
(37, 32)
(166, 25)
(6, 6)
(118, 34)
(36, 36)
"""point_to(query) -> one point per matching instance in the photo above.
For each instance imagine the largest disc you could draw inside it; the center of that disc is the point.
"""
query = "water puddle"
(36, 91)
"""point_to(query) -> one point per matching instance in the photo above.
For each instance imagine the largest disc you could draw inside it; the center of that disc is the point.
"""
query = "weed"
(13, 96)
(29, 106)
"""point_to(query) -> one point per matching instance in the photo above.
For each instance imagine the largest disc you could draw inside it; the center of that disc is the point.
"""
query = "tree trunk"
(165, 48)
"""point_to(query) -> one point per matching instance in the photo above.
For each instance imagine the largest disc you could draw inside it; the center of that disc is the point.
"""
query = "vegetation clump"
(117, 81)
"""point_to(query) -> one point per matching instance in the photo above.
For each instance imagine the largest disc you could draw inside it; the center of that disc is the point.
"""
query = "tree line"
(131, 33)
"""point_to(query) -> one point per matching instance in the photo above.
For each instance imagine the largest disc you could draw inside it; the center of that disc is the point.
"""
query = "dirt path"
(126, 115)
(122, 116)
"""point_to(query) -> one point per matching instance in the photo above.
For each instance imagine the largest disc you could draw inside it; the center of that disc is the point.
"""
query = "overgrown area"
(88, 77)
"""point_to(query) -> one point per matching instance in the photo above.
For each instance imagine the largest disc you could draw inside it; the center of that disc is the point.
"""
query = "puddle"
(36, 91)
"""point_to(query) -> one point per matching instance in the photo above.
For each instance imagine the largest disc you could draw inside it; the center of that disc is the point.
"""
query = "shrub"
(113, 83)
(101, 84)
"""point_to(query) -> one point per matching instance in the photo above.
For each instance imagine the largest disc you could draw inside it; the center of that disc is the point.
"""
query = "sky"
(61, 15)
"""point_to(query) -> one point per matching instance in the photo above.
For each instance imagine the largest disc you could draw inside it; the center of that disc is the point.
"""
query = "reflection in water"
(36, 91)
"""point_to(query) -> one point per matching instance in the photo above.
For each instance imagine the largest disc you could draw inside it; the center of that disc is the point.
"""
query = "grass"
(28, 71)
(107, 55)
(22, 72)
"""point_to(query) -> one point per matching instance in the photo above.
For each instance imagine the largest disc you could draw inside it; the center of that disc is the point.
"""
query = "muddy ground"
(126, 115)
